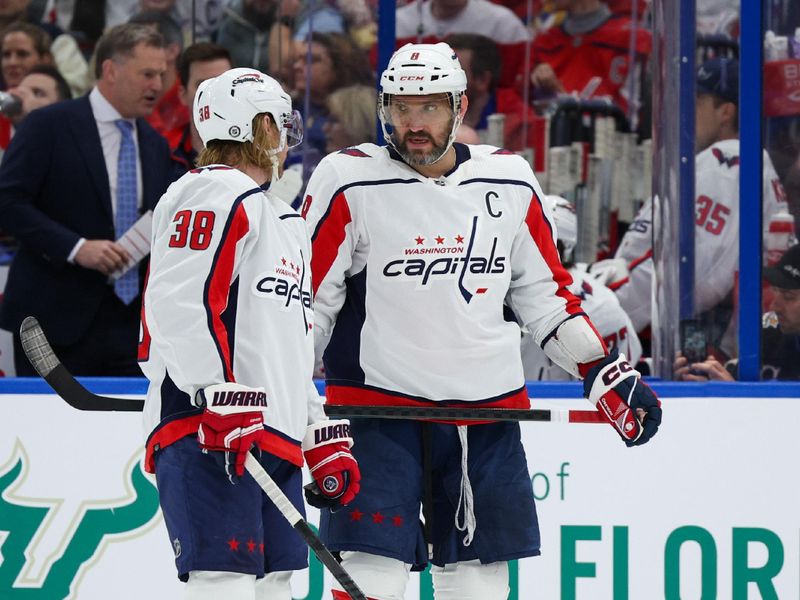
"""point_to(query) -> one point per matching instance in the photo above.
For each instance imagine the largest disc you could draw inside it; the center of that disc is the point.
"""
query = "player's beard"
(418, 158)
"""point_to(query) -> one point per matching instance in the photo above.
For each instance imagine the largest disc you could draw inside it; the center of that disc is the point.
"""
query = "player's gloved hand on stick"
(326, 448)
(616, 389)
(231, 424)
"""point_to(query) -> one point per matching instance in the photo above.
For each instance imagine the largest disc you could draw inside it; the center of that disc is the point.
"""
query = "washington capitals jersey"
(608, 318)
(716, 232)
(411, 276)
(227, 299)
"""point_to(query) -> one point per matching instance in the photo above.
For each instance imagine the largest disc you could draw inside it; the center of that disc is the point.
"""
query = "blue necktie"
(127, 286)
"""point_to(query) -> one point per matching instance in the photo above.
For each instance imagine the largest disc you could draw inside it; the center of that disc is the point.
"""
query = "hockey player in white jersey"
(598, 302)
(227, 344)
(716, 210)
(418, 246)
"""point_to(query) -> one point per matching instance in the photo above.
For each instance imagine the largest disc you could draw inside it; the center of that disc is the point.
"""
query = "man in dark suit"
(75, 177)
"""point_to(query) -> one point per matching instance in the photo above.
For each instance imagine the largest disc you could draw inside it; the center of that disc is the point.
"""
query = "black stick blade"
(46, 363)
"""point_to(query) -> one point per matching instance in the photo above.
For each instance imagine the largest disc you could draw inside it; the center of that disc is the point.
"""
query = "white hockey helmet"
(224, 108)
(566, 224)
(420, 70)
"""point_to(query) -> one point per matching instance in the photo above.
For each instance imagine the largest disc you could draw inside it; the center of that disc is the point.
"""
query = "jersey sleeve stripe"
(329, 237)
(542, 233)
(637, 261)
(217, 288)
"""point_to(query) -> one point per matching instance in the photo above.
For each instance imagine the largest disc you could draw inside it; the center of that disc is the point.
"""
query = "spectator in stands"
(597, 300)
(258, 34)
(23, 46)
(63, 48)
(717, 214)
(780, 331)
(351, 17)
(480, 59)
(588, 54)
(170, 116)
(439, 18)
(207, 16)
(332, 62)
(67, 208)
(324, 17)
(197, 63)
(42, 86)
(351, 117)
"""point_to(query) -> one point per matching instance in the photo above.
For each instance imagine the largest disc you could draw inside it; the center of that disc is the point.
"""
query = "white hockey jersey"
(605, 312)
(716, 232)
(412, 274)
(228, 299)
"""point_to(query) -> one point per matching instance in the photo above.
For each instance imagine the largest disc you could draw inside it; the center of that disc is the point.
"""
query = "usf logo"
(24, 522)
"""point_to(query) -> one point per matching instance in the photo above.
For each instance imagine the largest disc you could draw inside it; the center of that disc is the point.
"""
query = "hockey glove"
(231, 424)
(326, 447)
(617, 391)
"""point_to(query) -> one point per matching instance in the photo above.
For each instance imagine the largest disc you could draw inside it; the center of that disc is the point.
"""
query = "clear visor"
(293, 128)
(411, 111)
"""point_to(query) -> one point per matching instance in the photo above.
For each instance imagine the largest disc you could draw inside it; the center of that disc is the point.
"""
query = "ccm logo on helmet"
(615, 371)
(412, 78)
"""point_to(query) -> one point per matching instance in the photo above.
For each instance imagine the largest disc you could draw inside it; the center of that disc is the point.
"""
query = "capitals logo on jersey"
(440, 257)
(288, 283)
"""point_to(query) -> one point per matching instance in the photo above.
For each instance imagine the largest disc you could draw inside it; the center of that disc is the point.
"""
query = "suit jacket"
(54, 190)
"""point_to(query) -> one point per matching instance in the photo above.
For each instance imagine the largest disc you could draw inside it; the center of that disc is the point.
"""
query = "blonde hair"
(354, 107)
(240, 154)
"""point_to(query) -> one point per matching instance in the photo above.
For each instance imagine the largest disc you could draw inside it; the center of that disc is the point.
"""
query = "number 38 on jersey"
(192, 228)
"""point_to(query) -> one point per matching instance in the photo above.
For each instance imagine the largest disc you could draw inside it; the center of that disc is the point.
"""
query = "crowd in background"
(519, 64)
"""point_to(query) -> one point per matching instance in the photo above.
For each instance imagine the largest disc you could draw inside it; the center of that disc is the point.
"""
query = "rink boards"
(709, 509)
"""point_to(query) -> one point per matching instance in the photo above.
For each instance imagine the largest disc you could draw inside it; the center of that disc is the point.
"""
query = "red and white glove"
(618, 392)
(326, 448)
(231, 424)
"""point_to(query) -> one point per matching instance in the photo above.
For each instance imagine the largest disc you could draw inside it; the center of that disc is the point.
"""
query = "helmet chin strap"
(273, 154)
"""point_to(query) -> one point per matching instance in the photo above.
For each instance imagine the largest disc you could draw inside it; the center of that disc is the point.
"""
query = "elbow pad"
(575, 345)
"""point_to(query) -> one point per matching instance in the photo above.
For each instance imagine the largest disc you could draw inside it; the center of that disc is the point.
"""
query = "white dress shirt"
(105, 116)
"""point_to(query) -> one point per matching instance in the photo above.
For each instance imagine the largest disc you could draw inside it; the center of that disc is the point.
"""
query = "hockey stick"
(466, 414)
(296, 520)
(46, 363)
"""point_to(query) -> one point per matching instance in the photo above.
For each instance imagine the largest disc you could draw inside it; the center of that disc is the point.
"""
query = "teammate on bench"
(418, 247)
(227, 343)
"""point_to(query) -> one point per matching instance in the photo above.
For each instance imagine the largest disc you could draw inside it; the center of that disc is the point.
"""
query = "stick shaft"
(296, 520)
(465, 414)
